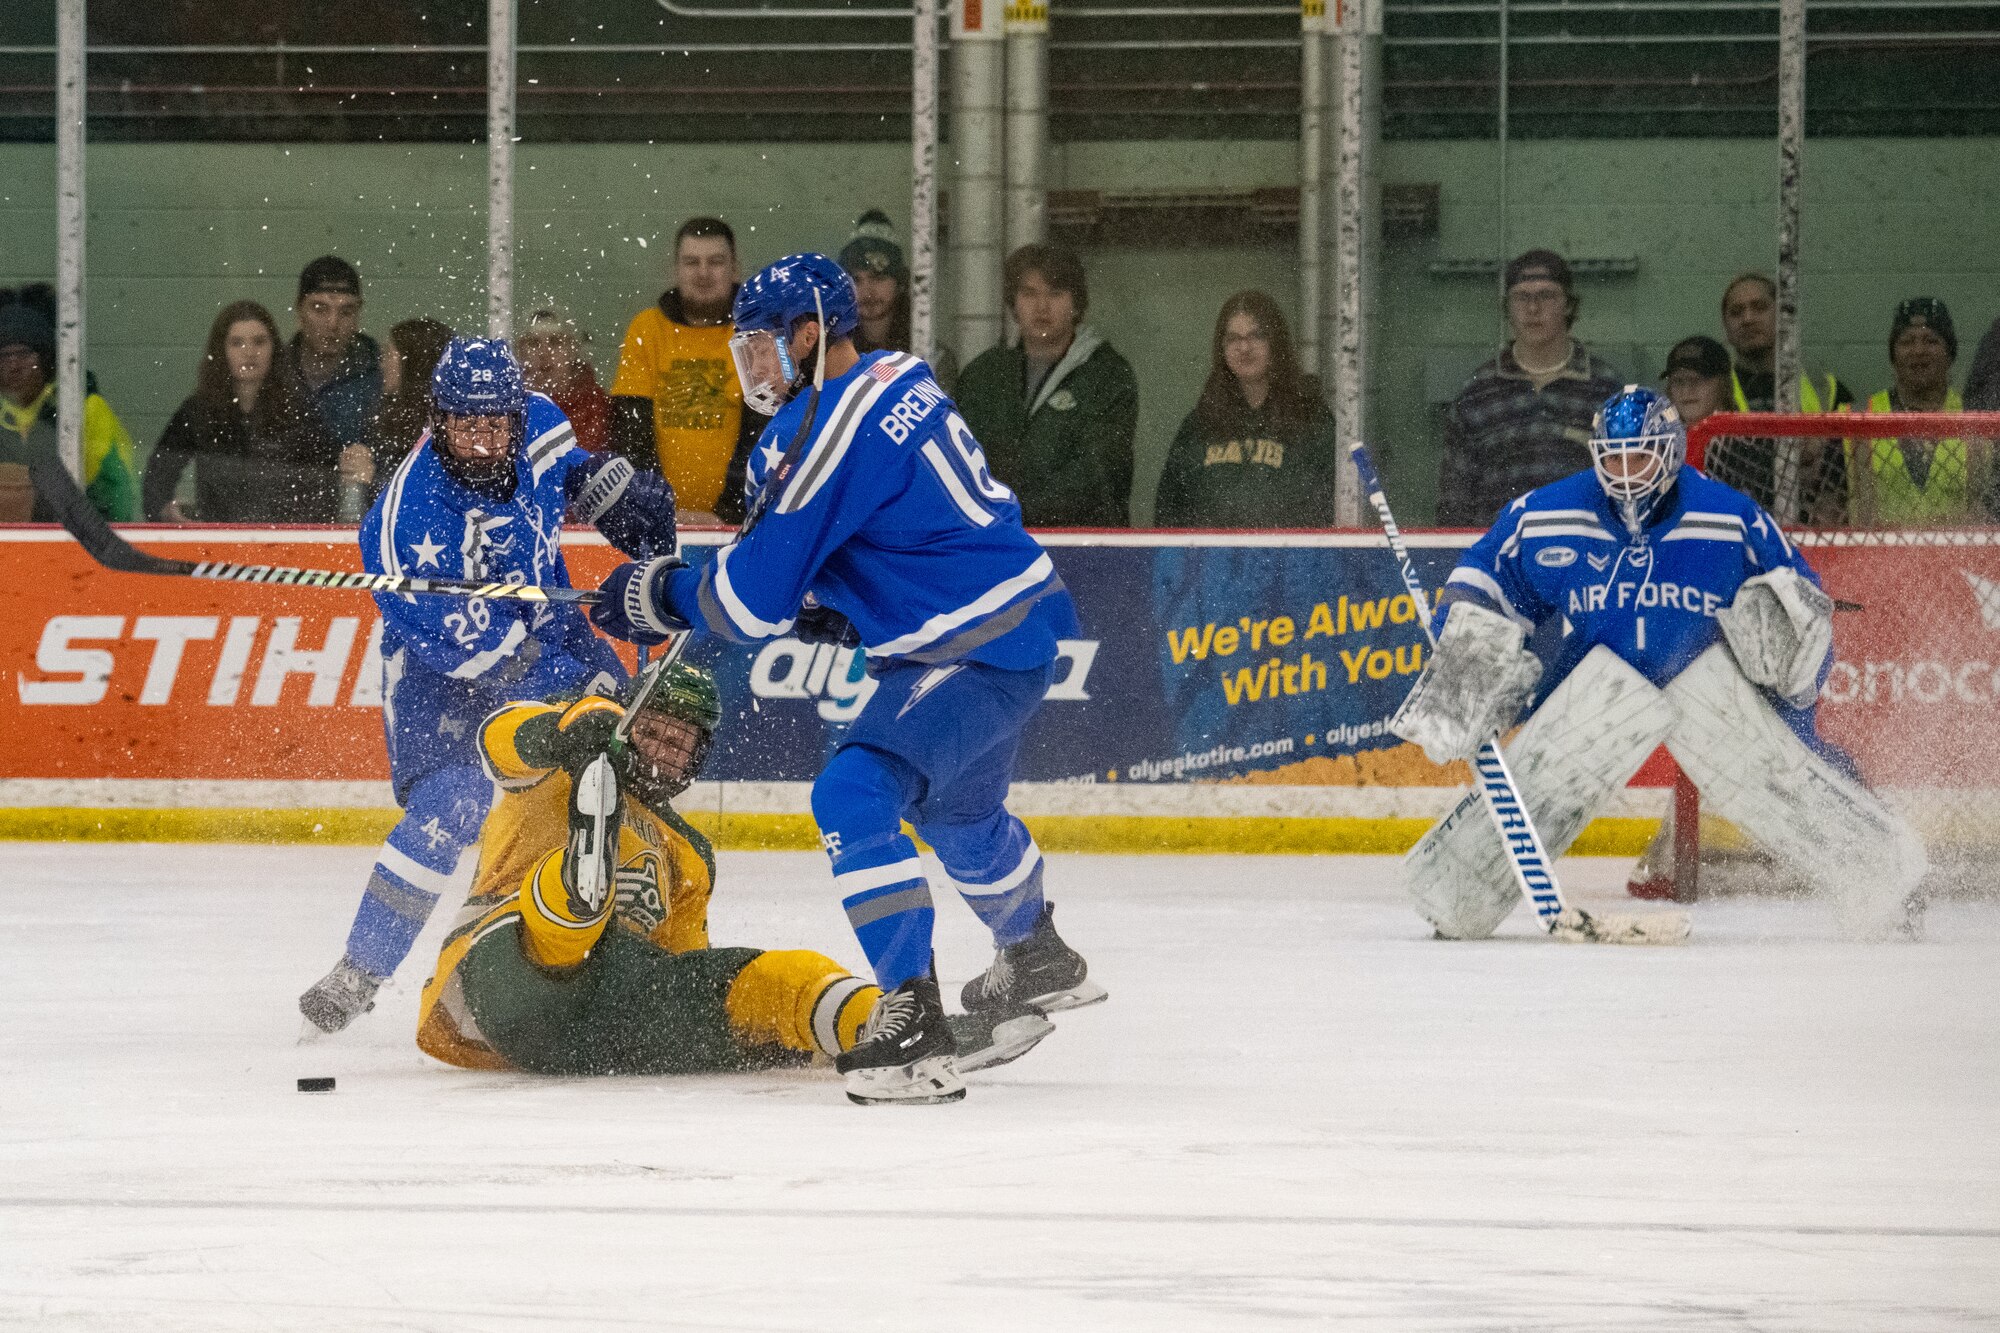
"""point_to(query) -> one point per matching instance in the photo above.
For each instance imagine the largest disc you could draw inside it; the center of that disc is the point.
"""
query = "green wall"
(178, 230)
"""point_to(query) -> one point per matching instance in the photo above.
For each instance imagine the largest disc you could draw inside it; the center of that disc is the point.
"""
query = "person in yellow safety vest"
(1918, 483)
(1814, 491)
(1750, 323)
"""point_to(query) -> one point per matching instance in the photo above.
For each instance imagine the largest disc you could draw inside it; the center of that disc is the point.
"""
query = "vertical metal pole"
(923, 176)
(70, 111)
(1027, 121)
(978, 72)
(1312, 180)
(1791, 154)
(1351, 256)
(1500, 185)
(499, 167)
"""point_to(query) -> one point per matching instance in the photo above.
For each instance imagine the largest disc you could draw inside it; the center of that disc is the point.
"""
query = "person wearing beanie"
(1523, 419)
(1918, 482)
(28, 415)
(874, 259)
(552, 362)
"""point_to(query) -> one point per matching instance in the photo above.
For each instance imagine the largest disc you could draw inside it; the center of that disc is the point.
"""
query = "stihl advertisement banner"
(1273, 659)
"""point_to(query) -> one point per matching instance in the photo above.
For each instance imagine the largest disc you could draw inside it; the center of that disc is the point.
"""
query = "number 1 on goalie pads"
(1585, 742)
(1753, 770)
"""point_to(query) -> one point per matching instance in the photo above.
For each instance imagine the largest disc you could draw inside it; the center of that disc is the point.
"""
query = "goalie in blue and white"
(1687, 619)
(482, 496)
(872, 519)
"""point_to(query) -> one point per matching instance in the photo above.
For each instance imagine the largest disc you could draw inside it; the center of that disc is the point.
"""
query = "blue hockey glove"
(635, 606)
(633, 509)
(823, 624)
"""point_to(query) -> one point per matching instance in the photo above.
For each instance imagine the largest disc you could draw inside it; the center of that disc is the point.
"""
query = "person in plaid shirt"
(1523, 419)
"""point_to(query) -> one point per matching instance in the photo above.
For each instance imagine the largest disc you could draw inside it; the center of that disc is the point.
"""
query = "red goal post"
(1900, 514)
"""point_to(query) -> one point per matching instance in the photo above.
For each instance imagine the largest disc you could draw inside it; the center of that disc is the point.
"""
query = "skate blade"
(1576, 926)
(1073, 997)
(926, 1082)
(1011, 1040)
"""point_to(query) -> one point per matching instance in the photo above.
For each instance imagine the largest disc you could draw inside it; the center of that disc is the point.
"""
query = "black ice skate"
(1041, 972)
(905, 1054)
(986, 1040)
(339, 997)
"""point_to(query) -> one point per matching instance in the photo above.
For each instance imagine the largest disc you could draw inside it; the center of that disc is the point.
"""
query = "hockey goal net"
(1900, 515)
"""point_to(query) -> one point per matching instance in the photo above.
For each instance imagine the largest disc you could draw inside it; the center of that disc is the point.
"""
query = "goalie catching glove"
(1780, 627)
(1478, 678)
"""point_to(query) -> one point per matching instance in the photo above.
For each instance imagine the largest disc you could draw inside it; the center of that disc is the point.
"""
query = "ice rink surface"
(1296, 1111)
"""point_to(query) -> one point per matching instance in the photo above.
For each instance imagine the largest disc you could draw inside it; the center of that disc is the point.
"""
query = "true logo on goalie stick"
(1555, 557)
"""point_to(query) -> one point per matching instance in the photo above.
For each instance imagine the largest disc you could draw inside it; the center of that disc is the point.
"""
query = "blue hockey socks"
(996, 867)
(442, 819)
(858, 802)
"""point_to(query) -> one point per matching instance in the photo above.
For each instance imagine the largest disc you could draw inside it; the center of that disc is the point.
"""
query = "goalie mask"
(769, 309)
(671, 734)
(1637, 445)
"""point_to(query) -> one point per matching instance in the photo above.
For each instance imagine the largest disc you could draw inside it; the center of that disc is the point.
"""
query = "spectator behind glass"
(676, 406)
(1982, 379)
(882, 288)
(1523, 419)
(552, 362)
(1257, 451)
(1912, 483)
(259, 451)
(409, 358)
(28, 416)
(1056, 411)
(338, 365)
(1697, 378)
(1750, 323)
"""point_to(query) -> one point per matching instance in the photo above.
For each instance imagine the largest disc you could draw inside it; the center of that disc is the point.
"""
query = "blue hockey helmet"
(1637, 446)
(478, 378)
(769, 306)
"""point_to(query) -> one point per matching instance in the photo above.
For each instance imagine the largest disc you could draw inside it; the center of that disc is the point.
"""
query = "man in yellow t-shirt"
(677, 408)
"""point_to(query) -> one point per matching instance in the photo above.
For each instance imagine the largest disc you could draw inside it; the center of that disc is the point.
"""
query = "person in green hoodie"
(28, 410)
(1257, 451)
(1056, 411)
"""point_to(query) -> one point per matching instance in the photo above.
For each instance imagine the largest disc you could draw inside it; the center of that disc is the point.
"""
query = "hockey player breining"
(1687, 618)
(583, 947)
(873, 518)
(482, 496)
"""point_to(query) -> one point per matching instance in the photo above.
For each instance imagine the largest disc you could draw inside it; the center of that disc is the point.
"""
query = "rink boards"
(1228, 692)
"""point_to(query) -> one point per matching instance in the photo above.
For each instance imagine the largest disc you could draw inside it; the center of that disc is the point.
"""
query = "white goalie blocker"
(1590, 737)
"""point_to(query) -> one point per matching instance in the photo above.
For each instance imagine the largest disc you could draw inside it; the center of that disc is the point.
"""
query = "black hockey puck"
(315, 1085)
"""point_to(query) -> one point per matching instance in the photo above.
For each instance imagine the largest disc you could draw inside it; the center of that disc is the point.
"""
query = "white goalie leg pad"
(1585, 742)
(1752, 770)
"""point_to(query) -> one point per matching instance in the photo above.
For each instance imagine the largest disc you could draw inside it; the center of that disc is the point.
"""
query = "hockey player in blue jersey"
(1686, 617)
(482, 496)
(873, 520)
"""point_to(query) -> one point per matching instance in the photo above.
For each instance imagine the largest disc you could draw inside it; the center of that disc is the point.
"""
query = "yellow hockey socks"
(560, 930)
(801, 1000)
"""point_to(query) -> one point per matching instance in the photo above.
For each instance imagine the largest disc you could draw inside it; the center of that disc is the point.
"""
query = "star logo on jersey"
(427, 552)
(772, 456)
(1988, 593)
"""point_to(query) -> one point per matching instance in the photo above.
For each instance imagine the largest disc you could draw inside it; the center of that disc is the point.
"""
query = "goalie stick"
(53, 483)
(1529, 861)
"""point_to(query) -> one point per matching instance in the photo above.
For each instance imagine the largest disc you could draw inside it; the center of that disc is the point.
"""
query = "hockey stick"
(53, 483)
(669, 654)
(1526, 856)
